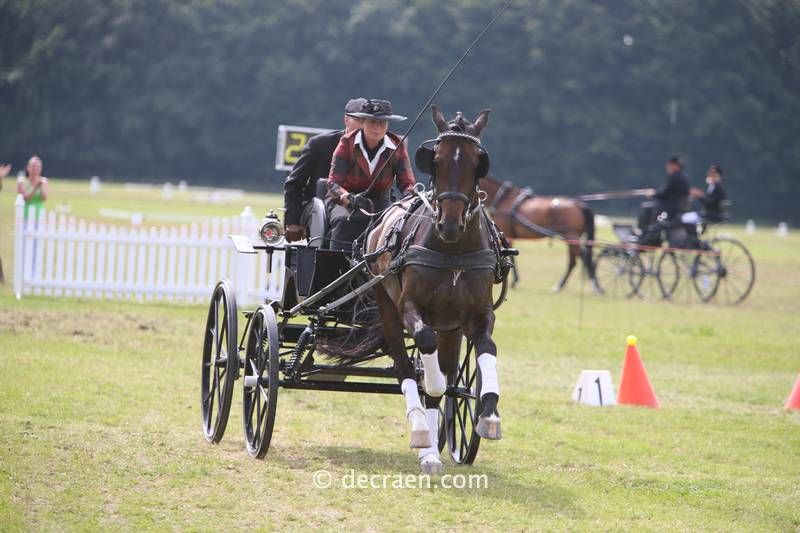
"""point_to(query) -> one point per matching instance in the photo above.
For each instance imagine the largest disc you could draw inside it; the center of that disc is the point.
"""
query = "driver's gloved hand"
(294, 232)
(358, 201)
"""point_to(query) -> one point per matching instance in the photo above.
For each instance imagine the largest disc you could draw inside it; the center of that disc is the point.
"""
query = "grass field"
(99, 409)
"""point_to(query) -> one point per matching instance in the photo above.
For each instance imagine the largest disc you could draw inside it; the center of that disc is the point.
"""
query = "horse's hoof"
(556, 289)
(420, 436)
(431, 464)
(489, 427)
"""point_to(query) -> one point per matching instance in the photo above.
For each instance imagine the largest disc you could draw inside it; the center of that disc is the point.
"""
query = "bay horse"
(434, 301)
(522, 215)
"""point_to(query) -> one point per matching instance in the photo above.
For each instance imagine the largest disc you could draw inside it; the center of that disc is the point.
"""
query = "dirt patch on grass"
(78, 324)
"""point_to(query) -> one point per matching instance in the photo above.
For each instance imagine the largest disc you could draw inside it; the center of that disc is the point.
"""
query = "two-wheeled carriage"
(718, 268)
(325, 293)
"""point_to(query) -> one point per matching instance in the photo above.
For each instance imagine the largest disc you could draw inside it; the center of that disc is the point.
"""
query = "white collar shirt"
(387, 144)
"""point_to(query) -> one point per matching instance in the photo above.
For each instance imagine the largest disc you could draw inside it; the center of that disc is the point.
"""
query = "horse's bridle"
(425, 162)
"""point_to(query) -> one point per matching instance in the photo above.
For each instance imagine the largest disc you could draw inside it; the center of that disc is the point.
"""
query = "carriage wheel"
(706, 275)
(442, 440)
(220, 361)
(461, 408)
(668, 274)
(644, 276)
(737, 270)
(612, 269)
(260, 381)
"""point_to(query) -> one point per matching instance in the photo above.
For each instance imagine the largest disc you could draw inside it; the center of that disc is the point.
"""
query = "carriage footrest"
(343, 386)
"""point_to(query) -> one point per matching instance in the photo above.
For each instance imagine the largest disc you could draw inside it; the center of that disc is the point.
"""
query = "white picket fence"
(59, 255)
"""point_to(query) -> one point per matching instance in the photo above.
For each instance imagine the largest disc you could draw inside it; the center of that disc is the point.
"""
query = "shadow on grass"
(533, 493)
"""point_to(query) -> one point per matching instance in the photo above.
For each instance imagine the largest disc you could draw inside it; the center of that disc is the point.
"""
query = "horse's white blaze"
(457, 154)
(488, 365)
(434, 382)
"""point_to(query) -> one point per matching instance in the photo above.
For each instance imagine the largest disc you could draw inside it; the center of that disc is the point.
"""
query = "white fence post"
(19, 243)
(60, 255)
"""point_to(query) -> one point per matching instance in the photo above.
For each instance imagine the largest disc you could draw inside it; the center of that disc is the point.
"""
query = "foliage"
(196, 89)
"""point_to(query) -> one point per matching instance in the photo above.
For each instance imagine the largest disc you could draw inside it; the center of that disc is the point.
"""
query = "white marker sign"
(594, 388)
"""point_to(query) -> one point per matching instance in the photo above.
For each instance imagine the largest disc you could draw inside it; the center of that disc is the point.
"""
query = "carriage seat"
(624, 232)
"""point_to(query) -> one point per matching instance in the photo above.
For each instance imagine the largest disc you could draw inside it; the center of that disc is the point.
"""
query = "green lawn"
(99, 406)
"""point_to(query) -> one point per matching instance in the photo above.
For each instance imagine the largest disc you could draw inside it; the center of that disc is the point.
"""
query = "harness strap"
(523, 195)
(501, 192)
(477, 260)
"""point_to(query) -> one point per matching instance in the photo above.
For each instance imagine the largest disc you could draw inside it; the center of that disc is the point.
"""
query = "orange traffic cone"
(794, 398)
(634, 385)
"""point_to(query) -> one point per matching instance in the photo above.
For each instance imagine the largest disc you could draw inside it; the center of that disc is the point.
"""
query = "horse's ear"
(480, 122)
(438, 119)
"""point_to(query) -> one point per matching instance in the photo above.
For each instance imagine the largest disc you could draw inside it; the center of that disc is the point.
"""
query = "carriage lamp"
(271, 229)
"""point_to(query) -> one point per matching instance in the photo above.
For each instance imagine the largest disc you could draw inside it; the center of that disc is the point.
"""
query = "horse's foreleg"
(480, 333)
(448, 348)
(429, 460)
(434, 381)
(572, 253)
(406, 375)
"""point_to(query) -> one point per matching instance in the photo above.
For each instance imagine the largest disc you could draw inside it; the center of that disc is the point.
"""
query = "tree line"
(586, 95)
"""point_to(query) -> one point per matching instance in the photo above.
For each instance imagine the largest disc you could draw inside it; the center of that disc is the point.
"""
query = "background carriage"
(715, 268)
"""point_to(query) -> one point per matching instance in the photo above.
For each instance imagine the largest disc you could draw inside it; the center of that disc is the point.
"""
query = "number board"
(291, 140)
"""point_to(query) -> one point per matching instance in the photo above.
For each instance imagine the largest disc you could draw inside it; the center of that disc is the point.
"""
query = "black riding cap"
(377, 110)
(354, 105)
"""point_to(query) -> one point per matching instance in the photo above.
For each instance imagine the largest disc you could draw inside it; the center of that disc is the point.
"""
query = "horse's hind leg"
(480, 333)
(514, 272)
(406, 375)
(573, 250)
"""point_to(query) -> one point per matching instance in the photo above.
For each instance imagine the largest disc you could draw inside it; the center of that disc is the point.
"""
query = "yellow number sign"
(291, 140)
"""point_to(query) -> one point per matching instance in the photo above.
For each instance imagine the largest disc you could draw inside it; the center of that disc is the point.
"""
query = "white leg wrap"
(488, 365)
(409, 388)
(434, 382)
(432, 415)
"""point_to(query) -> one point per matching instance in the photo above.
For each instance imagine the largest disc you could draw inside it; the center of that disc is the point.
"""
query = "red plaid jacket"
(350, 168)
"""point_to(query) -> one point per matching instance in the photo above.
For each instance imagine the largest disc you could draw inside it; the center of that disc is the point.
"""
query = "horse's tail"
(588, 222)
(363, 337)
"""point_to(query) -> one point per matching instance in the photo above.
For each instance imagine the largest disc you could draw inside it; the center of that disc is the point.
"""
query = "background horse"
(434, 301)
(521, 215)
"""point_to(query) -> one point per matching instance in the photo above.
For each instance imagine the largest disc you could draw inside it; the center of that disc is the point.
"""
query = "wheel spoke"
(460, 419)
(219, 392)
(471, 413)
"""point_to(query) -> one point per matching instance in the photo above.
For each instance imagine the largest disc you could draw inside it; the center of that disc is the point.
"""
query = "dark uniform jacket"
(712, 203)
(350, 169)
(314, 163)
(673, 196)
